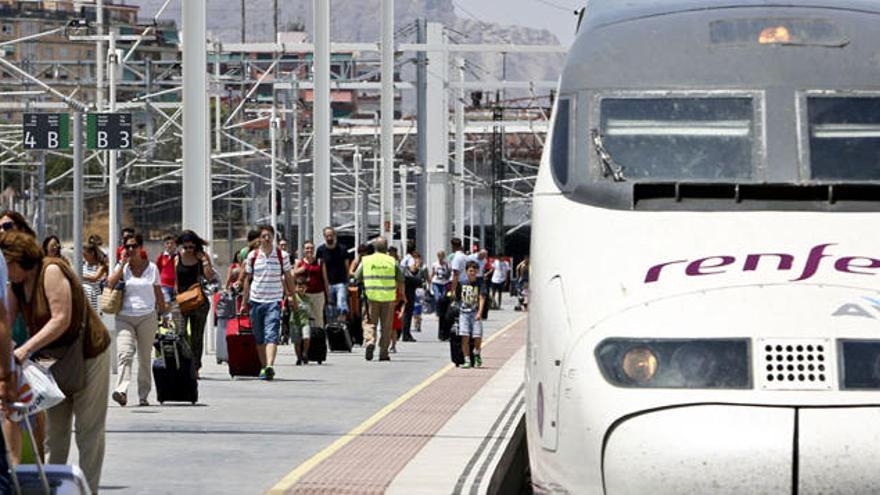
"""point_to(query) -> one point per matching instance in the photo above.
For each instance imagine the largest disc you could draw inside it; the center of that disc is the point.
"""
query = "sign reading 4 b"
(46, 131)
(109, 131)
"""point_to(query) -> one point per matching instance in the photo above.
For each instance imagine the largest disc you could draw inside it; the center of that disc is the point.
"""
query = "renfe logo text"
(807, 266)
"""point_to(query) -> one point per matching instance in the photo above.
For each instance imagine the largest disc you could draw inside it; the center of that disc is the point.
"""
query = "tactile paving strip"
(370, 462)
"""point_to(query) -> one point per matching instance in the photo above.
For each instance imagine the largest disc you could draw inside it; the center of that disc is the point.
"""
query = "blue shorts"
(266, 321)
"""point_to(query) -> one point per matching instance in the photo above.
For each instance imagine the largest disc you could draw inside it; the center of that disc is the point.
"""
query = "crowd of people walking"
(368, 295)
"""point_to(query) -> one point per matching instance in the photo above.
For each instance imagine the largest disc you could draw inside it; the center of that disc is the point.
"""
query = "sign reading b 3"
(46, 131)
(109, 131)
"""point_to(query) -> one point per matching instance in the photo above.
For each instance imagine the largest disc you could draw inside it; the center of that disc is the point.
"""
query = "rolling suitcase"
(356, 331)
(174, 372)
(45, 478)
(455, 354)
(221, 352)
(318, 345)
(338, 337)
(242, 348)
(444, 323)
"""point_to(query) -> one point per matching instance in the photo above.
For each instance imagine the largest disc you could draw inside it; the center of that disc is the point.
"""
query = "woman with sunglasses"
(60, 323)
(137, 321)
(13, 221)
(193, 265)
(52, 248)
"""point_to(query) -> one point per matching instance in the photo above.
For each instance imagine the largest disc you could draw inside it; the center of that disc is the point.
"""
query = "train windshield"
(689, 138)
(844, 138)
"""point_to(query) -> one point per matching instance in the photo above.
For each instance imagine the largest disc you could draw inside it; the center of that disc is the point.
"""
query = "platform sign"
(46, 131)
(109, 131)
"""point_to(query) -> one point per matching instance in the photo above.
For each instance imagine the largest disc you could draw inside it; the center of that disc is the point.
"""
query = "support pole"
(422, 143)
(196, 167)
(321, 146)
(114, 176)
(458, 210)
(289, 116)
(217, 123)
(404, 235)
(41, 197)
(470, 242)
(387, 186)
(273, 164)
(78, 194)
(358, 160)
(99, 57)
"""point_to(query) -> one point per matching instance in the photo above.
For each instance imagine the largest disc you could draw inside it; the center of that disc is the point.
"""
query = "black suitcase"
(356, 330)
(444, 324)
(318, 345)
(174, 371)
(455, 354)
(338, 337)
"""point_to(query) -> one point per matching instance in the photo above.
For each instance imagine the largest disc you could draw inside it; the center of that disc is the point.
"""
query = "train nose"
(744, 449)
(702, 449)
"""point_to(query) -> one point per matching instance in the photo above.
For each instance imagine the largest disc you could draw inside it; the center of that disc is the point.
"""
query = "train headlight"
(639, 365)
(677, 363)
(861, 364)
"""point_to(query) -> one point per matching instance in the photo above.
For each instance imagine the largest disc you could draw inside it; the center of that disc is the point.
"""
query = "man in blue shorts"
(268, 278)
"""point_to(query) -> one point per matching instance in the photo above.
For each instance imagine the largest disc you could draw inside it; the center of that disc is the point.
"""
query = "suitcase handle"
(44, 481)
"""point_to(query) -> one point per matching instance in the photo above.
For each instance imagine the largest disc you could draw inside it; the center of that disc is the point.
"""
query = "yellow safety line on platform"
(288, 481)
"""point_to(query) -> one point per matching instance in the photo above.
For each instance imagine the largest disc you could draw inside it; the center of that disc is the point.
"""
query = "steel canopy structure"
(173, 100)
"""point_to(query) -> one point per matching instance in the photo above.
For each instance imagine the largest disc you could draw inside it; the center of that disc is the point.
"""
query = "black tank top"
(187, 275)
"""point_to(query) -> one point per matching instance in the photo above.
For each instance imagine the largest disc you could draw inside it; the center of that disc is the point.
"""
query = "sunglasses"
(6, 226)
(188, 247)
(132, 246)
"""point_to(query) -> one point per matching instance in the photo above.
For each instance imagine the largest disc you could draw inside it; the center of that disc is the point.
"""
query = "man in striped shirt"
(268, 279)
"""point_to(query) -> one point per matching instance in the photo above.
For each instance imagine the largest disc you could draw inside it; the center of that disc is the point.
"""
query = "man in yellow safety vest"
(383, 280)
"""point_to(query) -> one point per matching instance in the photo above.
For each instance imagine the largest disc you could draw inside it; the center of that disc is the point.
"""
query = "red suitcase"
(242, 348)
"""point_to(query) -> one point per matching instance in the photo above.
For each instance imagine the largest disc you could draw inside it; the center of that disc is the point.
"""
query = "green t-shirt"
(300, 316)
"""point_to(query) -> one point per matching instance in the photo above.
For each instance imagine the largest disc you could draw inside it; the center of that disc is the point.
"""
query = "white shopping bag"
(36, 389)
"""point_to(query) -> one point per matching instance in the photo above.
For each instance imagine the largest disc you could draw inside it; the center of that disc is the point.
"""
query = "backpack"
(277, 253)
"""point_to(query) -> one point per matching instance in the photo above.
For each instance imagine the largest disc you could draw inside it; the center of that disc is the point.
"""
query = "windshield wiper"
(609, 166)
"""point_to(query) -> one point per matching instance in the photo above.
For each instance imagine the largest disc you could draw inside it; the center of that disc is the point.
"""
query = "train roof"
(604, 12)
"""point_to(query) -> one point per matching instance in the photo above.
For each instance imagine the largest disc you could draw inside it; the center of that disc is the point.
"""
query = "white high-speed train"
(705, 284)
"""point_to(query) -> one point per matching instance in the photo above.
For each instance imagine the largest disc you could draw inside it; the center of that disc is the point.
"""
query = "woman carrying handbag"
(62, 329)
(137, 320)
(193, 266)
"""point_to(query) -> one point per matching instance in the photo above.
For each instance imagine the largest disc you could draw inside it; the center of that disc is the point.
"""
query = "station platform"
(443, 436)
(416, 424)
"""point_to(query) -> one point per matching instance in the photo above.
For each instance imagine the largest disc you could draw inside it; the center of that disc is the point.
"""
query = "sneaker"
(370, 349)
(393, 349)
(144, 403)
(270, 373)
(299, 362)
(120, 398)
(466, 365)
(478, 361)
(263, 374)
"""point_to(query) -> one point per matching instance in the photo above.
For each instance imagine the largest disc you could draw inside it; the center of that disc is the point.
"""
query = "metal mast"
(387, 183)
(321, 161)
(196, 167)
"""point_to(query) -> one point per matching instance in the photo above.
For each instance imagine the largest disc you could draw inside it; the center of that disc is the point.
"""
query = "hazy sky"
(554, 15)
